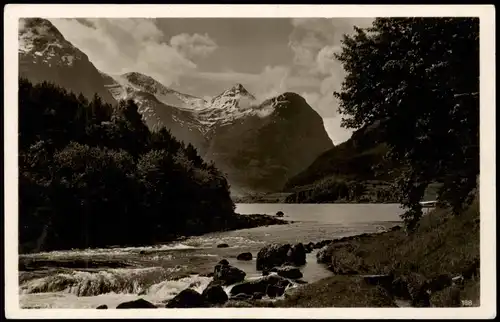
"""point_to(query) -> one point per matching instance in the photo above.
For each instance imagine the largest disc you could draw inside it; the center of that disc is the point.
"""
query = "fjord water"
(157, 273)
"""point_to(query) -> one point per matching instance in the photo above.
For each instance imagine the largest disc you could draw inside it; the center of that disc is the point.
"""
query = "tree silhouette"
(419, 77)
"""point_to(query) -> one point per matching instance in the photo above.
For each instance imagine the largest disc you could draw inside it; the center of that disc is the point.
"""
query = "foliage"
(93, 175)
(418, 77)
(359, 158)
(442, 244)
(334, 189)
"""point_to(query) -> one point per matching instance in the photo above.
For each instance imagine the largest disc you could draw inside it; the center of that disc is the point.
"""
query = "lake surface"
(158, 273)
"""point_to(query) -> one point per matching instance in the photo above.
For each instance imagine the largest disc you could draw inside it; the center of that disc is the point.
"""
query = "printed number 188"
(466, 303)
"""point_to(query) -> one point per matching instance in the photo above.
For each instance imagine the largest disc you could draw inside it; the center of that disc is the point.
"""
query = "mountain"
(354, 159)
(263, 149)
(259, 145)
(161, 106)
(45, 55)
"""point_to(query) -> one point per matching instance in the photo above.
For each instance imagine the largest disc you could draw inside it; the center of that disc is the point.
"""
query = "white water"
(163, 271)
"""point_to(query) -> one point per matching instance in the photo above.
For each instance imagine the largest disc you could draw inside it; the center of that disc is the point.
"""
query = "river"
(158, 273)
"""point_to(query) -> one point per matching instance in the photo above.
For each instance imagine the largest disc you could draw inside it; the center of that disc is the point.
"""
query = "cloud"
(193, 46)
(272, 80)
(118, 45)
(314, 42)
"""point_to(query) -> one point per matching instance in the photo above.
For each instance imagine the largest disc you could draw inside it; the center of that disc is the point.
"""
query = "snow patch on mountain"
(224, 109)
(43, 43)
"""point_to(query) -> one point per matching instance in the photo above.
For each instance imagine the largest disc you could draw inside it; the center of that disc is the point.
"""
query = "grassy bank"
(442, 245)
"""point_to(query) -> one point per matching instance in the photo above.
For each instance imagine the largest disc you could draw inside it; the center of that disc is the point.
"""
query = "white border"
(13, 12)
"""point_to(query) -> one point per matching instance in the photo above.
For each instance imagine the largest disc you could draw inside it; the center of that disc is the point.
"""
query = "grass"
(338, 291)
(443, 244)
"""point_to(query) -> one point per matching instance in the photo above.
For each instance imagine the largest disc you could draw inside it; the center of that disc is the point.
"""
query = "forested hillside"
(91, 174)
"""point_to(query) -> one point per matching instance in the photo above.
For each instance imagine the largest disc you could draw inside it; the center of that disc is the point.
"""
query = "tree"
(418, 77)
(93, 177)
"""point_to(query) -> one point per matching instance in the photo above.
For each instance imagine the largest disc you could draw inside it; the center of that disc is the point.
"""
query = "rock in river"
(222, 245)
(274, 291)
(297, 254)
(324, 255)
(214, 294)
(260, 285)
(227, 274)
(187, 298)
(244, 257)
(137, 304)
(278, 254)
(289, 272)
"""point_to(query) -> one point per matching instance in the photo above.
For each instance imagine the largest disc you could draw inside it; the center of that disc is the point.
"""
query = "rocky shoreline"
(355, 281)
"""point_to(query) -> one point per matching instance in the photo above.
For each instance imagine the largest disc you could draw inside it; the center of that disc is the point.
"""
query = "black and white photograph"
(260, 157)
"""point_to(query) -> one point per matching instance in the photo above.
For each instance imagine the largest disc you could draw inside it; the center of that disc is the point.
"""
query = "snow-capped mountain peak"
(236, 92)
(41, 41)
(126, 85)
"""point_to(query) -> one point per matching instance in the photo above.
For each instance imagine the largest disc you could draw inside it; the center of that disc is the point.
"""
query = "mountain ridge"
(45, 55)
(257, 144)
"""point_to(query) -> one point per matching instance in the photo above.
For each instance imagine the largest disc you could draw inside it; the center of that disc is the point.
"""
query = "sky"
(205, 56)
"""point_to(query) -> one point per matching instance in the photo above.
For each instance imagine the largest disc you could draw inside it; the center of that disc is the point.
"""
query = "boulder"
(223, 262)
(214, 294)
(298, 255)
(260, 285)
(102, 307)
(439, 282)
(258, 295)
(324, 256)
(137, 304)
(272, 255)
(223, 245)
(289, 272)
(278, 254)
(227, 274)
(244, 257)
(309, 247)
(274, 291)
(322, 243)
(187, 298)
(280, 214)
